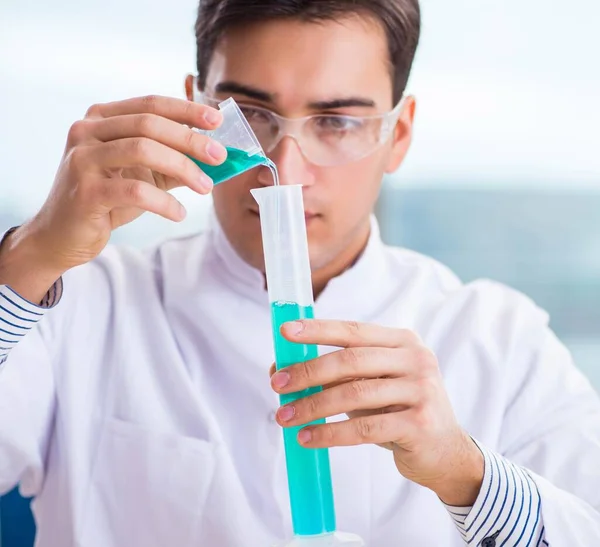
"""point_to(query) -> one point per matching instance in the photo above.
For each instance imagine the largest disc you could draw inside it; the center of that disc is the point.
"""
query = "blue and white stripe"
(508, 510)
(18, 316)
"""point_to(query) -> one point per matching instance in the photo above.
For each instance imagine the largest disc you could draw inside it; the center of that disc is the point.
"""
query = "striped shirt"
(18, 316)
(507, 512)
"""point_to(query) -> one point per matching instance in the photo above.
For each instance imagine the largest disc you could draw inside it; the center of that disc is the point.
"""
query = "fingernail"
(304, 436)
(286, 413)
(212, 116)
(216, 151)
(281, 379)
(295, 327)
(182, 212)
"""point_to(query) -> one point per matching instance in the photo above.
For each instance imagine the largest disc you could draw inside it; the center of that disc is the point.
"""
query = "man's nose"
(292, 166)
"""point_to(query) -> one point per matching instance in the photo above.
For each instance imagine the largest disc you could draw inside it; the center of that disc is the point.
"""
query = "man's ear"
(189, 87)
(402, 135)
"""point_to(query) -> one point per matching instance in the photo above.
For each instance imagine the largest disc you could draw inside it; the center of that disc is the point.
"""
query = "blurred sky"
(508, 90)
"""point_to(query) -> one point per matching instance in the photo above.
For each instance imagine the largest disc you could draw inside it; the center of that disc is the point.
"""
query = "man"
(136, 405)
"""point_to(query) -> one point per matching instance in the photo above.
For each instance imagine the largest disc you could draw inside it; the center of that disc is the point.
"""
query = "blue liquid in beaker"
(237, 162)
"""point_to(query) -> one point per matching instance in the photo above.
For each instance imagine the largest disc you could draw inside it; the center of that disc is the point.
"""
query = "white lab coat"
(139, 410)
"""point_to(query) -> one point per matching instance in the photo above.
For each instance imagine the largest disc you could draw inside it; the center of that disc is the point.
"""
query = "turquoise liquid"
(237, 162)
(309, 474)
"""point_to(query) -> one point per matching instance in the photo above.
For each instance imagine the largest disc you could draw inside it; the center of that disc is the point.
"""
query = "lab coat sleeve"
(27, 390)
(552, 429)
(546, 456)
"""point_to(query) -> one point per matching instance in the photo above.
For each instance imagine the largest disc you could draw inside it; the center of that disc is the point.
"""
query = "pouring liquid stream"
(273, 168)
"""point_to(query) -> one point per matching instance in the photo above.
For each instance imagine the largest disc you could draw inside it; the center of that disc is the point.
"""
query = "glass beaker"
(244, 152)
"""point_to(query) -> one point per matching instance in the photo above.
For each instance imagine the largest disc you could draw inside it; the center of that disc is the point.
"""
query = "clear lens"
(264, 124)
(335, 140)
(325, 140)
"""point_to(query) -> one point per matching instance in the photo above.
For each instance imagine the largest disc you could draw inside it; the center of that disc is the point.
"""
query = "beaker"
(244, 152)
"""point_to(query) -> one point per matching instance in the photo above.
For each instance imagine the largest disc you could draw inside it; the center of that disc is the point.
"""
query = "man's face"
(297, 65)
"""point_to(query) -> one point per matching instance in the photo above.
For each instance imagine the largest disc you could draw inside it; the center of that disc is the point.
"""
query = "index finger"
(342, 366)
(178, 110)
(347, 334)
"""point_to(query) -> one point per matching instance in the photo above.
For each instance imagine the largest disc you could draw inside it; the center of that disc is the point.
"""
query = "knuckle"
(188, 167)
(150, 103)
(366, 429)
(423, 418)
(425, 360)
(193, 141)
(190, 140)
(409, 337)
(77, 132)
(354, 328)
(134, 190)
(93, 111)
(325, 433)
(83, 192)
(427, 388)
(189, 108)
(357, 391)
(307, 372)
(312, 405)
(139, 147)
(76, 160)
(316, 326)
(144, 124)
(353, 358)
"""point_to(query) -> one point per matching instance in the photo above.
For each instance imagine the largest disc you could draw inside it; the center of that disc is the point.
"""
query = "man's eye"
(255, 115)
(337, 123)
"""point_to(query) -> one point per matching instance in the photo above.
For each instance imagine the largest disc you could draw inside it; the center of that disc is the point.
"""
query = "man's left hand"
(390, 386)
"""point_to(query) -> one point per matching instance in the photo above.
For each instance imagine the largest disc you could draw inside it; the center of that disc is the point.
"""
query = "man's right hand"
(120, 161)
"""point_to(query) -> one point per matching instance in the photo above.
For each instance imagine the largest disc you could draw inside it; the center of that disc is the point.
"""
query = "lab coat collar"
(359, 291)
(355, 294)
(241, 277)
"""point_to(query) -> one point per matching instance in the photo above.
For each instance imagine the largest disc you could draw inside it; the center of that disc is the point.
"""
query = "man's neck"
(344, 261)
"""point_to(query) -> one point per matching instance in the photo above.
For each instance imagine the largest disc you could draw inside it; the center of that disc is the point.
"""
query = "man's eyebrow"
(248, 91)
(266, 97)
(342, 103)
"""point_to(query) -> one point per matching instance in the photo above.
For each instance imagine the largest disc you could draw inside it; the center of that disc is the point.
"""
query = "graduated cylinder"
(290, 293)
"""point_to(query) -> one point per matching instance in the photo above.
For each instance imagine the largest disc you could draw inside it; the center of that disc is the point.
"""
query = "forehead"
(301, 62)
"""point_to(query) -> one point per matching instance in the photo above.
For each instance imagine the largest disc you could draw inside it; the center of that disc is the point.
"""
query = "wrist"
(23, 267)
(461, 486)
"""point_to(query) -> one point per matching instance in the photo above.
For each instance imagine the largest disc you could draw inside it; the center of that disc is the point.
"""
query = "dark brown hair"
(401, 20)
